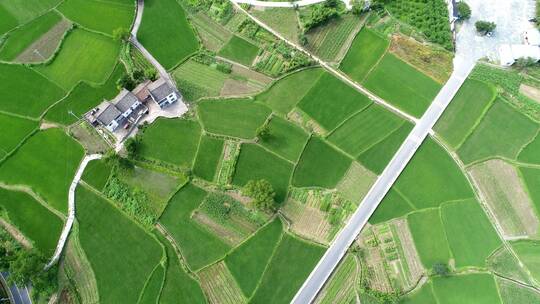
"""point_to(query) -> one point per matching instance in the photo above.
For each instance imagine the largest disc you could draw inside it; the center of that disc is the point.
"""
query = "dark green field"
(98, 15)
(423, 296)
(286, 139)
(366, 50)
(14, 130)
(531, 177)
(239, 50)
(472, 288)
(527, 251)
(208, 156)
(531, 152)
(153, 286)
(392, 206)
(97, 173)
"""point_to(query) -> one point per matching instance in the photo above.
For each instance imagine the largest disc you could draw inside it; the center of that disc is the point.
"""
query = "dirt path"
(15, 233)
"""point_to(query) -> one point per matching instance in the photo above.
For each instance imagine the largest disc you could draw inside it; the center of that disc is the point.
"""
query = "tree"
(263, 132)
(262, 193)
(132, 146)
(302, 38)
(358, 7)
(126, 82)
(150, 73)
(331, 3)
(121, 34)
(525, 62)
(138, 76)
(485, 27)
(464, 11)
(441, 269)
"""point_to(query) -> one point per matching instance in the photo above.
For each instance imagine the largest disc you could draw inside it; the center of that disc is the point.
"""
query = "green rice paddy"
(366, 50)
(286, 139)
(239, 50)
(208, 157)
(15, 129)
(101, 16)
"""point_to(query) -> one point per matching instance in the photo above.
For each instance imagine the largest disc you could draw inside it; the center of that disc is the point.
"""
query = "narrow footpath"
(286, 3)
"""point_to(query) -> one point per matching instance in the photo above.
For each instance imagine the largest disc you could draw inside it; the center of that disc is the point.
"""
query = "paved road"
(17, 295)
(286, 3)
(71, 209)
(338, 248)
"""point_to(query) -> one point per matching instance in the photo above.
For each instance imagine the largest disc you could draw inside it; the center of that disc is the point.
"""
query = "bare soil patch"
(531, 92)
(15, 233)
(235, 87)
(231, 237)
(43, 48)
(88, 137)
(220, 286)
(308, 221)
(356, 182)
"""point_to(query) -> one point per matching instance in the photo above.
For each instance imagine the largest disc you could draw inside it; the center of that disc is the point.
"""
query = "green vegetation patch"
(248, 261)
(331, 40)
(423, 296)
(194, 240)
(22, 37)
(84, 56)
(25, 92)
(96, 174)
(47, 162)
(393, 205)
(34, 220)
(470, 233)
(285, 93)
(153, 286)
(197, 80)
(256, 163)
(14, 130)
(502, 132)
(464, 112)
(531, 177)
(402, 85)
(281, 19)
(514, 293)
(366, 50)
(239, 50)
(7, 20)
(527, 252)
(432, 177)
(286, 139)
(174, 141)
(208, 156)
(429, 237)
(233, 117)
(320, 165)
(477, 288)
(101, 16)
(330, 101)
(166, 33)
(290, 266)
(365, 129)
(531, 152)
(24, 11)
(111, 241)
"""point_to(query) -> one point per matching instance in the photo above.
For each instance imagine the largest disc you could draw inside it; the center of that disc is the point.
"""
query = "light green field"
(290, 266)
(14, 130)
(330, 101)
(286, 139)
(7, 21)
(111, 241)
(432, 177)
(33, 92)
(83, 56)
(208, 156)
(166, 33)
(514, 293)
(471, 288)
(173, 141)
(248, 261)
(256, 163)
(531, 177)
(470, 234)
(531, 152)
(527, 252)
(101, 16)
(83, 98)
(17, 12)
(194, 239)
(285, 93)
(22, 37)
(464, 111)
(36, 159)
(233, 117)
(502, 132)
(239, 50)
(402, 85)
(153, 286)
(35, 221)
(423, 296)
(378, 156)
(429, 237)
(197, 80)
(320, 165)
(366, 50)
(282, 20)
(504, 263)
(392, 206)
(365, 129)
(96, 174)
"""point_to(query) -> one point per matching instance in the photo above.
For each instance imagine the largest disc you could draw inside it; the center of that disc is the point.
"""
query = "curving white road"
(71, 209)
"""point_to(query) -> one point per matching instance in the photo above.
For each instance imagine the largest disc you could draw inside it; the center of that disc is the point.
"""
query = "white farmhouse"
(163, 93)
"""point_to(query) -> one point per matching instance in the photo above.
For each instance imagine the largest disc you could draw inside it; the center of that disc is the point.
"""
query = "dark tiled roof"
(161, 91)
(109, 114)
(126, 101)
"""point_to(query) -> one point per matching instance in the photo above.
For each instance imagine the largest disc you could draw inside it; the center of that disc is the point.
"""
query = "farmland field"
(208, 156)
(221, 117)
(219, 285)
(423, 296)
(166, 33)
(194, 239)
(393, 205)
(365, 129)
(31, 162)
(248, 261)
(284, 94)
(96, 174)
(112, 241)
(514, 293)
(35, 221)
(174, 141)
(320, 165)
(98, 15)
(465, 110)
(15, 130)
(83, 56)
(33, 92)
(402, 85)
(429, 237)
(531, 178)
(197, 80)
(473, 288)
(502, 132)
(527, 251)
(341, 285)
(470, 234)
(366, 50)
(531, 152)
(239, 50)
(25, 35)
(24, 11)
(291, 264)
(153, 286)
(286, 139)
(255, 163)
(282, 20)
(330, 101)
